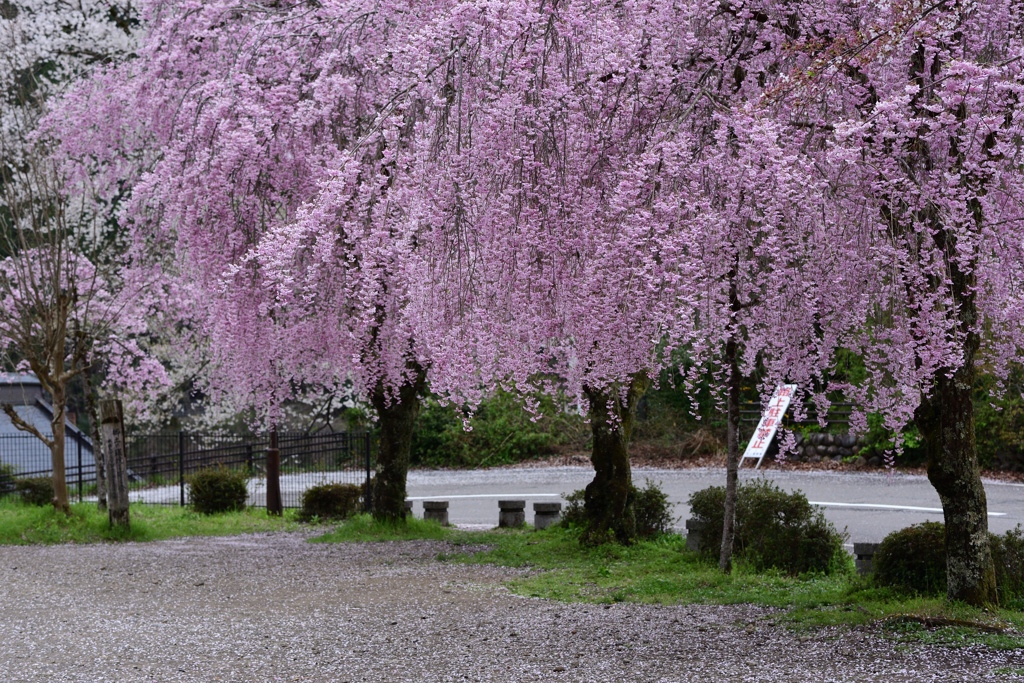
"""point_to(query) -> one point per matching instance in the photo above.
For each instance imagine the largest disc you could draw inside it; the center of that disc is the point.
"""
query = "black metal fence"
(25, 456)
(159, 464)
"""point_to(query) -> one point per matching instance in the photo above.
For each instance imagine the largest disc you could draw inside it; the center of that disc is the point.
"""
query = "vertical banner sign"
(771, 418)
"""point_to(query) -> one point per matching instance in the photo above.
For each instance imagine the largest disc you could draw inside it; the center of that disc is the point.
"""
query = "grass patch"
(662, 571)
(22, 524)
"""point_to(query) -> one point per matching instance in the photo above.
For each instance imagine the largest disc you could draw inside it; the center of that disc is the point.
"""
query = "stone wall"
(816, 447)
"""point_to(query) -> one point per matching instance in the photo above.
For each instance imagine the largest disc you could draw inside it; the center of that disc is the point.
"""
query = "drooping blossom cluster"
(567, 194)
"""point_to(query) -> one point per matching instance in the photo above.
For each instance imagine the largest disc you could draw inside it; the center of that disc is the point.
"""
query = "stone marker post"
(116, 462)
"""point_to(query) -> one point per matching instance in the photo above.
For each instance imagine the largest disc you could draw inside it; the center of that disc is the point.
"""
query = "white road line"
(889, 507)
(509, 496)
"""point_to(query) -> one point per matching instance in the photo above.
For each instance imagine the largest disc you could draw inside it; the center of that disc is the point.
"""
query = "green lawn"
(24, 524)
(660, 571)
(664, 572)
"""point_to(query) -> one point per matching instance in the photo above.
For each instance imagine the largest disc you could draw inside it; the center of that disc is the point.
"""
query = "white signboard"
(769, 424)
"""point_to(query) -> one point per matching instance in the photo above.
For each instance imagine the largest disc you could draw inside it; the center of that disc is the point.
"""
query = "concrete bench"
(436, 510)
(546, 514)
(511, 513)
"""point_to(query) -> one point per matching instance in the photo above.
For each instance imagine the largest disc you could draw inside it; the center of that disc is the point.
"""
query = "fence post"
(248, 457)
(181, 467)
(274, 505)
(78, 439)
(368, 503)
(112, 428)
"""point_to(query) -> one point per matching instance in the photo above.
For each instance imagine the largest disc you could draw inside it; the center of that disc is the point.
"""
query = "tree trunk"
(608, 498)
(60, 486)
(732, 463)
(946, 421)
(396, 417)
(97, 445)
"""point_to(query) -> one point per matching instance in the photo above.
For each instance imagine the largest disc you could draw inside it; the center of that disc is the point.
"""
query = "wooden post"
(112, 429)
(274, 504)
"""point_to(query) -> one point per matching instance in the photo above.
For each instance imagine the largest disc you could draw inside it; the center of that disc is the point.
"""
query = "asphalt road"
(868, 505)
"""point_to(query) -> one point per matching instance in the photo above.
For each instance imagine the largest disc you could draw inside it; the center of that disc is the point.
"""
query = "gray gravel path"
(272, 607)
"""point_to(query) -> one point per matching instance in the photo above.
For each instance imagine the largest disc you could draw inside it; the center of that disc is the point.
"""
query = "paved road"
(869, 505)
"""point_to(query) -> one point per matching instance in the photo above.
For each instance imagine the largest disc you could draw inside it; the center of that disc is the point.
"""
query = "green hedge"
(914, 559)
(774, 529)
(217, 489)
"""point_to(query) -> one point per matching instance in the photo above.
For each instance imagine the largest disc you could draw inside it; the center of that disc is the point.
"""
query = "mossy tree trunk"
(946, 421)
(396, 417)
(608, 498)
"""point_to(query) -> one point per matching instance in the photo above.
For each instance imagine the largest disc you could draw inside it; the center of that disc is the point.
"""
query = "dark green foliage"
(35, 490)
(774, 529)
(502, 432)
(573, 516)
(7, 480)
(217, 489)
(999, 421)
(914, 559)
(651, 509)
(1008, 555)
(331, 501)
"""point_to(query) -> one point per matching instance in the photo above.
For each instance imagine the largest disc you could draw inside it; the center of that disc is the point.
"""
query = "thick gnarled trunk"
(946, 422)
(608, 498)
(396, 417)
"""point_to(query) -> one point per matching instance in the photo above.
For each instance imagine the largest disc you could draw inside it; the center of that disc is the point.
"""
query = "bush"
(7, 482)
(914, 559)
(651, 509)
(330, 501)
(217, 489)
(1008, 554)
(574, 516)
(35, 490)
(774, 529)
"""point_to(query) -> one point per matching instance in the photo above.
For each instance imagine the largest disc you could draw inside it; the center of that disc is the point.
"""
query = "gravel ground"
(271, 607)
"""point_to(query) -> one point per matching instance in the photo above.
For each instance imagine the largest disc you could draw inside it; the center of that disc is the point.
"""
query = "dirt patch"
(272, 607)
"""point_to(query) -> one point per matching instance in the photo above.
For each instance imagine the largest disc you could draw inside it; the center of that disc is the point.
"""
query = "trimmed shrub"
(35, 490)
(7, 481)
(1008, 554)
(574, 515)
(774, 529)
(914, 559)
(651, 509)
(330, 501)
(217, 489)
